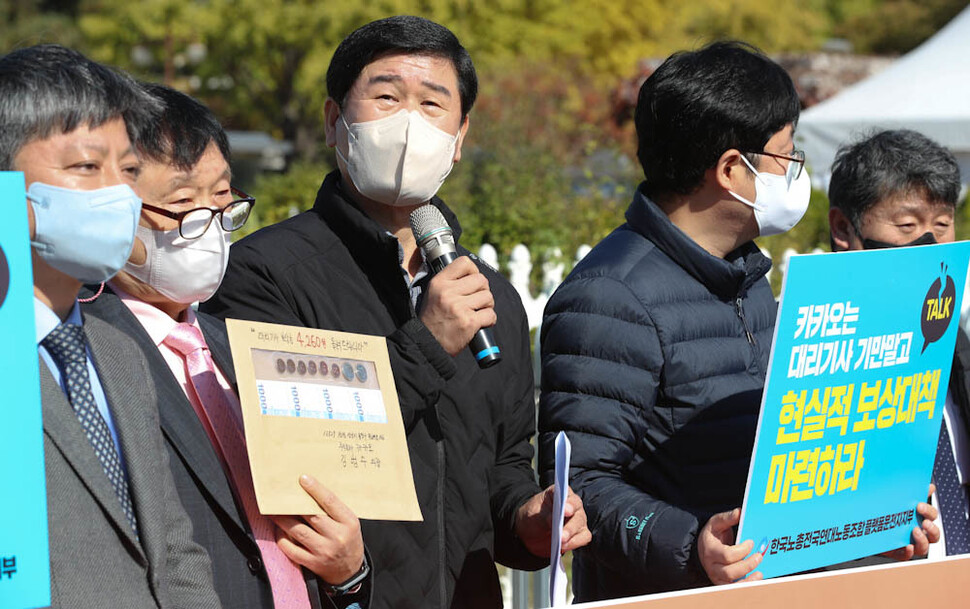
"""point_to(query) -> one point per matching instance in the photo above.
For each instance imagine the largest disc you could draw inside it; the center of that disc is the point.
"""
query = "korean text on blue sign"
(853, 403)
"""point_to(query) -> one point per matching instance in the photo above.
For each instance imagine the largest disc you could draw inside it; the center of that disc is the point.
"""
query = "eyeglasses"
(194, 222)
(795, 166)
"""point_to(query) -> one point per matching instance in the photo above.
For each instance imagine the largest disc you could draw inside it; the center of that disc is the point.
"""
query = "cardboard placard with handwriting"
(323, 403)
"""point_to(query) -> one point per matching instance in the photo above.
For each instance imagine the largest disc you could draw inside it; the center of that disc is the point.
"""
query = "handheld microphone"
(437, 242)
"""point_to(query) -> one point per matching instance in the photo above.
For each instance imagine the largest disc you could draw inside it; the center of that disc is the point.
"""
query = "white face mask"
(399, 160)
(183, 270)
(777, 206)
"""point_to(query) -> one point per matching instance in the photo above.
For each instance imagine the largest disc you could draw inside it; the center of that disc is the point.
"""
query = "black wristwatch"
(350, 586)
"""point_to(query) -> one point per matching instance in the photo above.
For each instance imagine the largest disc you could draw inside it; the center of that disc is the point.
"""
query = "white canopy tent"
(927, 90)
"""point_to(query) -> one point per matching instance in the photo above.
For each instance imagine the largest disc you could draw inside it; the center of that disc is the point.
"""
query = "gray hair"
(886, 164)
(49, 89)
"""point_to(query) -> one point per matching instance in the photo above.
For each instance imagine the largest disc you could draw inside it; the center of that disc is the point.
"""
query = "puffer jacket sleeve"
(601, 370)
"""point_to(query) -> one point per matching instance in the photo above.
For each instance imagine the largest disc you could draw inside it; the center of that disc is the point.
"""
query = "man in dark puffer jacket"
(654, 349)
(400, 90)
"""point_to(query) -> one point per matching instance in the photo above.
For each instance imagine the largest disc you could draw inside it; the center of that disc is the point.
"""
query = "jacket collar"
(373, 249)
(728, 277)
(338, 209)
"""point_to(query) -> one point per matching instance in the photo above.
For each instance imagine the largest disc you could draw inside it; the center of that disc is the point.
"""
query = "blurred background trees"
(548, 162)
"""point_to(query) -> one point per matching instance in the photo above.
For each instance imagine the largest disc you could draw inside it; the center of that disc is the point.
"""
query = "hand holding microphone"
(458, 307)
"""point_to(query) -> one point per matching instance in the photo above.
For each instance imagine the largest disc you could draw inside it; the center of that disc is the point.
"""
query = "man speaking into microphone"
(400, 90)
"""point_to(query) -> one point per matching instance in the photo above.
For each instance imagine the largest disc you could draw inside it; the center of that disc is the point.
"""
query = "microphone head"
(427, 221)
(432, 233)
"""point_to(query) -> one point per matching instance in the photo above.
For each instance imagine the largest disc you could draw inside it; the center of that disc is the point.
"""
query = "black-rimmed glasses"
(795, 166)
(194, 222)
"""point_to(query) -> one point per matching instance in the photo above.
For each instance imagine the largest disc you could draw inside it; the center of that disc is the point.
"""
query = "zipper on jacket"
(740, 307)
(442, 556)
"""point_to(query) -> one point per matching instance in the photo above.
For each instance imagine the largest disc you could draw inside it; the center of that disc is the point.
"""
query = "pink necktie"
(224, 425)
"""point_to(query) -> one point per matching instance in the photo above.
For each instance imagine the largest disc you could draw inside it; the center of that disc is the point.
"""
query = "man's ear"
(462, 131)
(730, 172)
(331, 114)
(841, 230)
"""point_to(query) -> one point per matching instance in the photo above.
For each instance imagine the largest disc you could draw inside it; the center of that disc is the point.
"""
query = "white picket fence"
(519, 270)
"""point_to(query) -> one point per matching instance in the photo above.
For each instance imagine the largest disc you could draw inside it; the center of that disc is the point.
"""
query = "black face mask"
(926, 239)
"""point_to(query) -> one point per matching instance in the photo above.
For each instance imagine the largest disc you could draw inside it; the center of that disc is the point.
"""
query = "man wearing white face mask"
(654, 349)
(400, 93)
(118, 535)
(180, 256)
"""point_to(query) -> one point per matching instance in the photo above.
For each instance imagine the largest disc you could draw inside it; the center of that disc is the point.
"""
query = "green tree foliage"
(279, 196)
(545, 164)
(540, 165)
(264, 61)
(772, 26)
(891, 26)
(24, 23)
(275, 52)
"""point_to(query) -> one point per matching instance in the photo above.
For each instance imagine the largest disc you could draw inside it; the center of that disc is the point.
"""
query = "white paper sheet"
(557, 573)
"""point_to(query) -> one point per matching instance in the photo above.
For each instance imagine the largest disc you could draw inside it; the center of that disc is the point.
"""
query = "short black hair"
(886, 164)
(184, 129)
(48, 89)
(400, 34)
(698, 104)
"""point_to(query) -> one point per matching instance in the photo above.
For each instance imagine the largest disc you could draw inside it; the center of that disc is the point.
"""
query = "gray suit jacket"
(96, 562)
(219, 523)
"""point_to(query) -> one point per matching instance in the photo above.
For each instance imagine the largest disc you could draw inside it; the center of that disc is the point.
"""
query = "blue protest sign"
(853, 403)
(24, 558)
